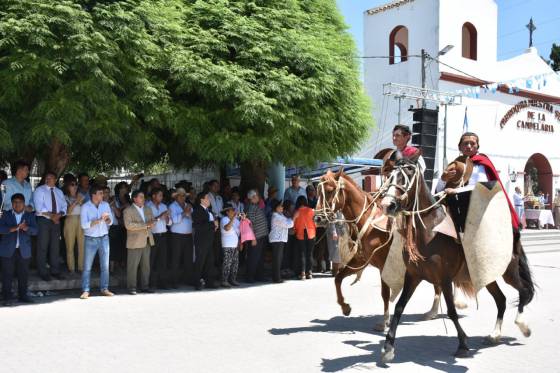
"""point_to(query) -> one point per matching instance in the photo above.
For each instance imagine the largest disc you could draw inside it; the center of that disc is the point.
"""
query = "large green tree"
(555, 57)
(208, 82)
(76, 83)
(262, 81)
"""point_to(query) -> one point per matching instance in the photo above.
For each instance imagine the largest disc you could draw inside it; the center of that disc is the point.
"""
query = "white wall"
(483, 14)
(421, 19)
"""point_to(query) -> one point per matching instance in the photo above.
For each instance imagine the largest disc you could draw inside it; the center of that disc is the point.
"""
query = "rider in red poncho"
(483, 170)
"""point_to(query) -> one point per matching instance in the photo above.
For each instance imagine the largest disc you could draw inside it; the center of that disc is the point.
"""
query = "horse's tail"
(524, 271)
(466, 287)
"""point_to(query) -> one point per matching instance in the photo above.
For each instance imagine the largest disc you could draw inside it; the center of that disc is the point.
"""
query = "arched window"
(469, 41)
(398, 45)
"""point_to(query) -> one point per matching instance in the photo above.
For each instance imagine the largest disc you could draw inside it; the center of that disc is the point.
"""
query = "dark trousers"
(458, 207)
(159, 275)
(48, 241)
(304, 253)
(277, 255)
(288, 261)
(182, 266)
(255, 259)
(117, 242)
(9, 266)
(204, 263)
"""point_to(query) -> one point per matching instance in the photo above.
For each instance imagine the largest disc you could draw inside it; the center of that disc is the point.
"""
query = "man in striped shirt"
(255, 250)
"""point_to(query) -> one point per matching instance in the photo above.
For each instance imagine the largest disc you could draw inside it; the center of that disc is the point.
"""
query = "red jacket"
(304, 220)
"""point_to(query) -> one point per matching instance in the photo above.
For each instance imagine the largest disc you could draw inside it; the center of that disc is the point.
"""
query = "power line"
(517, 31)
(521, 49)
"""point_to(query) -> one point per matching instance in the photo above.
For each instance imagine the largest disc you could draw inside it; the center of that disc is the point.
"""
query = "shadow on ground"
(435, 352)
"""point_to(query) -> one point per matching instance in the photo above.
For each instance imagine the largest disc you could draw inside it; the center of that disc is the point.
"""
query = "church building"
(513, 104)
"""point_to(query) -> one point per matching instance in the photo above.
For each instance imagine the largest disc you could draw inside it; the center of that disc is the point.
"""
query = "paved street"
(291, 327)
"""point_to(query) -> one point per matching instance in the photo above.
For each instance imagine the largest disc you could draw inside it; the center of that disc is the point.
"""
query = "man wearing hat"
(181, 239)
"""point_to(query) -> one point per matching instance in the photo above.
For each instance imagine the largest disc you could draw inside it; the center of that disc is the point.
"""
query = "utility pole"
(423, 54)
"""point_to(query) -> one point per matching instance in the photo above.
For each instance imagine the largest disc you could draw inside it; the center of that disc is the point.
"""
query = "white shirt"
(210, 214)
(230, 238)
(478, 176)
(518, 199)
(279, 226)
(42, 199)
(18, 221)
(180, 223)
(216, 203)
(140, 211)
(160, 226)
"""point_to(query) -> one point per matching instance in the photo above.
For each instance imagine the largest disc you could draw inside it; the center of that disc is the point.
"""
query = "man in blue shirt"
(16, 227)
(18, 184)
(294, 191)
(96, 218)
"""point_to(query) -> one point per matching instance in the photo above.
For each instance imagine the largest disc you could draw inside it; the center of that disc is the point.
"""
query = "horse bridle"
(409, 183)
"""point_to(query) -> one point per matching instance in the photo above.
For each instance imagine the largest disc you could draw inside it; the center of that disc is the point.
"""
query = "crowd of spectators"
(161, 237)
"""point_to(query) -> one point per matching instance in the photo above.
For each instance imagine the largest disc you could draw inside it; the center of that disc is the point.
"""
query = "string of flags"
(535, 82)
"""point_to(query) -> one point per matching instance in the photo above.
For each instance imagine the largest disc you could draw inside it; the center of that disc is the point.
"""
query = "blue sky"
(513, 15)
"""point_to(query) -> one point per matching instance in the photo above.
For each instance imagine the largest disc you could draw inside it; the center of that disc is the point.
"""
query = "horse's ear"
(340, 171)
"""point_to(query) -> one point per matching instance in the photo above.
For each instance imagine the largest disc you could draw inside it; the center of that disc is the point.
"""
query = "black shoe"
(26, 299)
(132, 291)
(198, 287)
(148, 291)
(59, 276)
(46, 278)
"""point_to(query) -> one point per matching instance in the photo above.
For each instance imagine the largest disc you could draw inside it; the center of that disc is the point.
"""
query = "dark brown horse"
(438, 258)
(339, 192)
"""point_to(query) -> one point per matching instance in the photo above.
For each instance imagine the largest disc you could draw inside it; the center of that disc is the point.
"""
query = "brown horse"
(339, 192)
(438, 258)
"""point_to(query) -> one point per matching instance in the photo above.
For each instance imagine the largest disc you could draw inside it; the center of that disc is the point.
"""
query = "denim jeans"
(94, 245)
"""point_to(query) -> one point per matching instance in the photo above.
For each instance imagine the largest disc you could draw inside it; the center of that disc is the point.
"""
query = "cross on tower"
(531, 26)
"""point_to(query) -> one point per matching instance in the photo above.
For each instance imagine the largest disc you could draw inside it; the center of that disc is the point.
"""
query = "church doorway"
(538, 176)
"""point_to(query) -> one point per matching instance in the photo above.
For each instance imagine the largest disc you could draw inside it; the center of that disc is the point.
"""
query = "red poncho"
(492, 174)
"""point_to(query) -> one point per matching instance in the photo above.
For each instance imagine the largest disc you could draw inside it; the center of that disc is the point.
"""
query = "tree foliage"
(197, 81)
(555, 57)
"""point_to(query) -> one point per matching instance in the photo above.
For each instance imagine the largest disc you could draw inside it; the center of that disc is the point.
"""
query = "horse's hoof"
(524, 328)
(462, 352)
(492, 340)
(346, 309)
(460, 305)
(387, 354)
(380, 327)
(429, 316)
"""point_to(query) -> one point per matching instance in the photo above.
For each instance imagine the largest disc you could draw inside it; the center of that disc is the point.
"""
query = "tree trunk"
(253, 176)
(57, 157)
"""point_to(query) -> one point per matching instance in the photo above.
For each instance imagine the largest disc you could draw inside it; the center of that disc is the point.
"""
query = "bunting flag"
(466, 121)
(535, 82)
